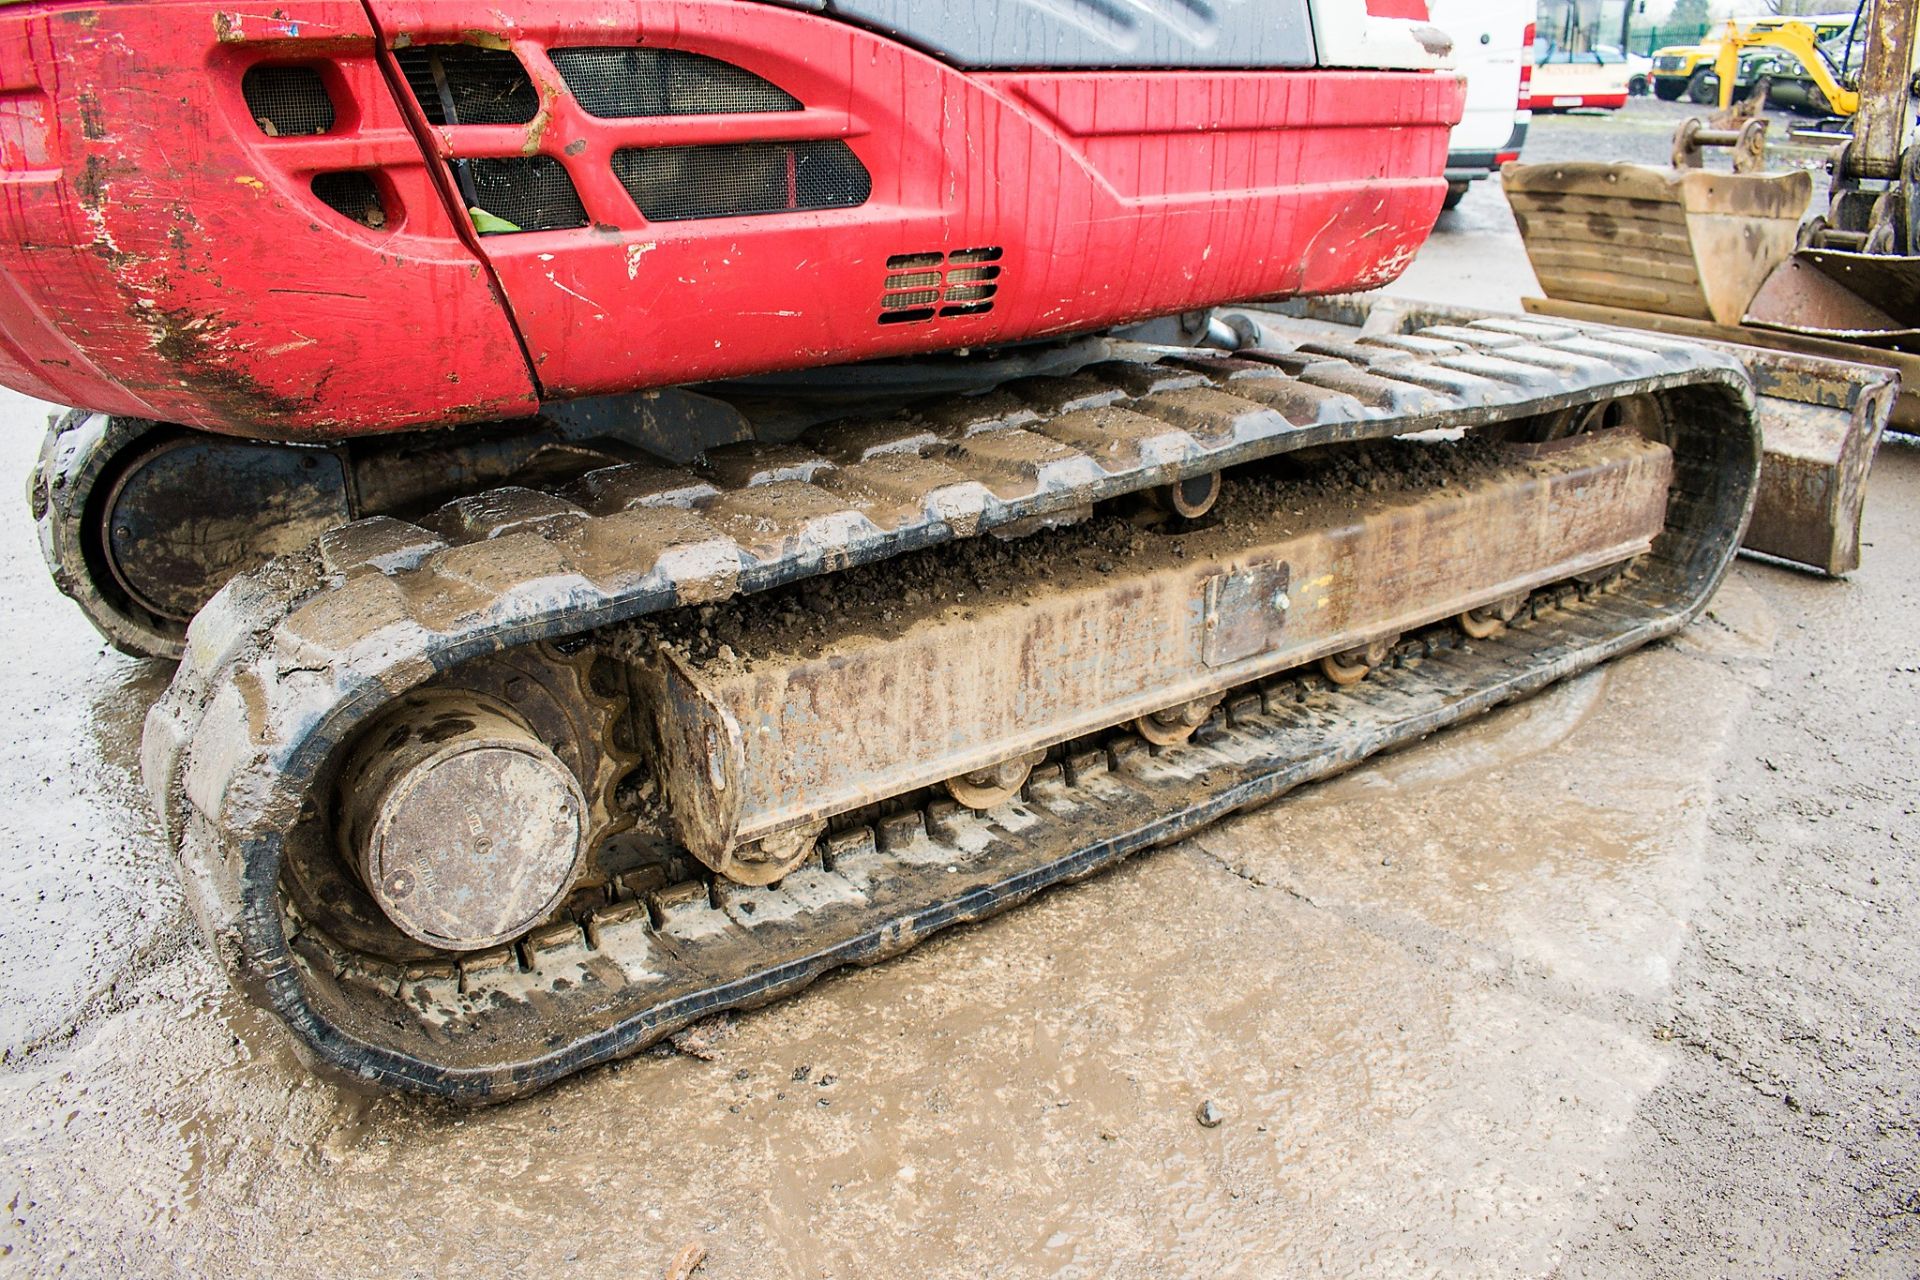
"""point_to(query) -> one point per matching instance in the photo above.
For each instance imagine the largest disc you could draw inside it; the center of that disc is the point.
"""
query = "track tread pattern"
(285, 662)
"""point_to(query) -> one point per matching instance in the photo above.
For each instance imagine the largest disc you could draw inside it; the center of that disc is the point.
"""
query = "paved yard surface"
(1620, 982)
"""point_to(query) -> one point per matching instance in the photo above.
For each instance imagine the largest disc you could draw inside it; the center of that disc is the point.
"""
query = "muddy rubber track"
(75, 458)
(287, 662)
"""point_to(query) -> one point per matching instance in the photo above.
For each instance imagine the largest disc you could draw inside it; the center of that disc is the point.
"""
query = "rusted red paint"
(163, 257)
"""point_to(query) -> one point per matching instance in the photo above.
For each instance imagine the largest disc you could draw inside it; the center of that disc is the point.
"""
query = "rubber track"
(285, 663)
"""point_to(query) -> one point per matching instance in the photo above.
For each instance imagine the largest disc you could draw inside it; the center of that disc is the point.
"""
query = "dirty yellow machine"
(1730, 257)
(1797, 41)
(1688, 69)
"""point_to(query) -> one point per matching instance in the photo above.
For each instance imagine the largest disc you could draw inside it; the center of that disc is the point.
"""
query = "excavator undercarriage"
(651, 507)
(477, 800)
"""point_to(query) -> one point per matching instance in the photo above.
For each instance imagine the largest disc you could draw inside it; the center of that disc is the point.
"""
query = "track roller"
(987, 788)
(771, 859)
(1491, 618)
(1350, 666)
(1190, 498)
(1174, 725)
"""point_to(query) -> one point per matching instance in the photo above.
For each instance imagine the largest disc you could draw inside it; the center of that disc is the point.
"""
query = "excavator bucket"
(1846, 296)
(1723, 257)
(1820, 423)
(1689, 243)
(1855, 275)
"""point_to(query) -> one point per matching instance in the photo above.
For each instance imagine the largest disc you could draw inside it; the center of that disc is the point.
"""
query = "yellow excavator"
(1801, 47)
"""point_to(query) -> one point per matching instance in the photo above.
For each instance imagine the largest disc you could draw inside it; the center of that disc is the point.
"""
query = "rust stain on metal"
(756, 746)
(1687, 243)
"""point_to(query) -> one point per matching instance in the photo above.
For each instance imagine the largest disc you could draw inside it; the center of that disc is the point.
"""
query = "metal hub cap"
(471, 840)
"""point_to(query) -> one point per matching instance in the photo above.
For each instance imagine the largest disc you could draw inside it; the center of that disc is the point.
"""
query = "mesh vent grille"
(352, 194)
(462, 84)
(627, 82)
(287, 102)
(676, 184)
(531, 192)
(963, 282)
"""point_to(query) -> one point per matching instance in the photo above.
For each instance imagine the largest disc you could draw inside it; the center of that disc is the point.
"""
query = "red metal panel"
(1114, 196)
(161, 255)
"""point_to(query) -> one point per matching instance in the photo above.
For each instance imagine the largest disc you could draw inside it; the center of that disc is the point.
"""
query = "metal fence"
(1651, 38)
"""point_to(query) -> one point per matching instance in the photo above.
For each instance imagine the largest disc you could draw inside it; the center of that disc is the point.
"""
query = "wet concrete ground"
(1617, 982)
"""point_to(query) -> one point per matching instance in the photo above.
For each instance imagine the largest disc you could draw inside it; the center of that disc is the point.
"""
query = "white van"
(1493, 47)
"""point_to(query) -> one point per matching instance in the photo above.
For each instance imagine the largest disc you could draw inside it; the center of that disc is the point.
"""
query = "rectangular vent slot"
(961, 286)
(287, 102)
(677, 184)
(529, 193)
(352, 193)
(626, 83)
(464, 84)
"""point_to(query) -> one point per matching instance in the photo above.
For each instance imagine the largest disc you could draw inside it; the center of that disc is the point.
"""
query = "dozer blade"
(1867, 298)
(1820, 418)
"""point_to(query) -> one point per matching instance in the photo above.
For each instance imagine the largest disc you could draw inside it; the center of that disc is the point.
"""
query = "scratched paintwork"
(165, 258)
(214, 289)
(1114, 196)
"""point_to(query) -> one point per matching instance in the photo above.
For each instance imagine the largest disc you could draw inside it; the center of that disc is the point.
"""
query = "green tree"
(1689, 13)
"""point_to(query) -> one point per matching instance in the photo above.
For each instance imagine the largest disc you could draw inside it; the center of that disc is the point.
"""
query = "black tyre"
(1704, 89)
(1456, 192)
(1668, 89)
(1637, 87)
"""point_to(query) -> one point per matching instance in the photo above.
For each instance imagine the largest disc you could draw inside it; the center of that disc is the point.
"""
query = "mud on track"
(1471, 1008)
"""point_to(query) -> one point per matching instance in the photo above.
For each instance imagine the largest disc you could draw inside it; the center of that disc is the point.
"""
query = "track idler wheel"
(1351, 666)
(1488, 619)
(988, 788)
(464, 828)
(1174, 725)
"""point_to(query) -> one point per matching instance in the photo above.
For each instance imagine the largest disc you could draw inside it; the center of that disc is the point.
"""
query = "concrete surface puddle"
(1440, 1006)
(1391, 1003)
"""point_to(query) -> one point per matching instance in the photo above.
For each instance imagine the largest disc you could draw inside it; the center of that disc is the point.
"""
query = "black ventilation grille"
(353, 194)
(675, 184)
(920, 286)
(533, 193)
(287, 102)
(463, 84)
(628, 82)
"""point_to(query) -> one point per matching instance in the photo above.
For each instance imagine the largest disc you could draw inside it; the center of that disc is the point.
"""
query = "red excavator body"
(325, 219)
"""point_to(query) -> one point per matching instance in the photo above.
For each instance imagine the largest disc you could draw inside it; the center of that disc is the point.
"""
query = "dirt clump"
(884, 599)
